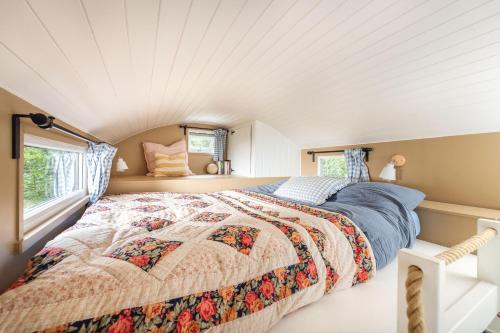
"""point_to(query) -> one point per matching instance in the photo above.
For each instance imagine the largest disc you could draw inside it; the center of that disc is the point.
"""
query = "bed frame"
(476, 306)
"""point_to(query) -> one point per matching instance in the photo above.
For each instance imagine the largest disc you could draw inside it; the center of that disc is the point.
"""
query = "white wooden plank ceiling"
(322, 72)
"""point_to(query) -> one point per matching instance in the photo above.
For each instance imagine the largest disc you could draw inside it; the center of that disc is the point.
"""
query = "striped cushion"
(310, 190)
(171, 165)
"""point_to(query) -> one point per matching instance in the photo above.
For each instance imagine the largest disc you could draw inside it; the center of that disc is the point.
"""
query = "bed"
(357, 303)
(229, 261)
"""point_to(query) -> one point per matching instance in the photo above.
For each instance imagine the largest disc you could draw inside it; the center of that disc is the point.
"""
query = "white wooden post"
(477, 306)
(432, 289)
(488, 257)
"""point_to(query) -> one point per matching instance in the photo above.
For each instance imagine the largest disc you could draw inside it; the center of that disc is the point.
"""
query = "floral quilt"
(232, 261)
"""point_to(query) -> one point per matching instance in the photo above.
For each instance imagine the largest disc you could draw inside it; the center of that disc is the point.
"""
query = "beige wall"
(461, 169)
(131, 150)
(12, 264)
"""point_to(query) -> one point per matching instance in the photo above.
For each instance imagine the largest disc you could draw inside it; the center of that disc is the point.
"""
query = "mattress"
(372, 307)
(229, 261)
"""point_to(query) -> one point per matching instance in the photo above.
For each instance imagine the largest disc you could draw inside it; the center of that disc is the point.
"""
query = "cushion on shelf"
(151, 148)
(171, 165)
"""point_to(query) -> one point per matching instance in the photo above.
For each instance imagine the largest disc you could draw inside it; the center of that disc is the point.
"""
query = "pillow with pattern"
(150, 149)
(171, 165)
(311, 190)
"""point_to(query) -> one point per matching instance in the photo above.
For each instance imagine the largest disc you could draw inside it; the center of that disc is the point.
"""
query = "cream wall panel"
(320, 72)
(109, 29)
(77, 44)
(226, 16)
(258, 150)
(273, 153)
(239, 149)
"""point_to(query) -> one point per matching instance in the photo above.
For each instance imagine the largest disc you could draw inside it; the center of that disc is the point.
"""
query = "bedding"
(360, 192)
(310, 190)
(416, 222)
(379, 209)
(233, 261)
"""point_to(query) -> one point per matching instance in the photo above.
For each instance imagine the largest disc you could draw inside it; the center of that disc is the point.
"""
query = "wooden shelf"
(460, 210)
(189, 184)
(165, 178)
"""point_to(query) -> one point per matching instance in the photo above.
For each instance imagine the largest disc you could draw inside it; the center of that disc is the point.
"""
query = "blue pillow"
(407, 196)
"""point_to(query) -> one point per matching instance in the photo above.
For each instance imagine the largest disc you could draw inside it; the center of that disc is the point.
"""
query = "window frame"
(38, 215)
(207, 132)
(324, 157)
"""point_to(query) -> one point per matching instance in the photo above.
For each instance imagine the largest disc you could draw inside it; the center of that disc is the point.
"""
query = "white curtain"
(99, 160)
(64, 173)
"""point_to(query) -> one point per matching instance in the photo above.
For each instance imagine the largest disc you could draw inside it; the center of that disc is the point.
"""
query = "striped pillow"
(171, 165)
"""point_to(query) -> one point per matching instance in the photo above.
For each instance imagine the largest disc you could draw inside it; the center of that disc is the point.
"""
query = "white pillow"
(311, 190)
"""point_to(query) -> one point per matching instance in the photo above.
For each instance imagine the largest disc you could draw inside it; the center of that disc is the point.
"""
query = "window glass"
(201, 141)
(332, 166)
(50, 174)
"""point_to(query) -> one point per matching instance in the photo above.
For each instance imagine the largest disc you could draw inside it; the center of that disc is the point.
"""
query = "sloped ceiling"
(322, 72)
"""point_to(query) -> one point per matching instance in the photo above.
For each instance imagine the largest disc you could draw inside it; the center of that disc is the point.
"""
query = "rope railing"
(414, 308)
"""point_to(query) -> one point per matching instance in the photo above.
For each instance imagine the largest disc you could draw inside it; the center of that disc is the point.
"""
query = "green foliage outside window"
(38, 176)
(333, 167)
(201, 143)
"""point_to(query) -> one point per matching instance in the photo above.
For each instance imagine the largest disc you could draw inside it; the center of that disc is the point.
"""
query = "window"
(332, 166)
(201, 141)
(54, 177)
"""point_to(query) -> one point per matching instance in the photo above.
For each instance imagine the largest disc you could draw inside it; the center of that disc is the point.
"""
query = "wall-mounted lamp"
(121, 165)
(389, 172)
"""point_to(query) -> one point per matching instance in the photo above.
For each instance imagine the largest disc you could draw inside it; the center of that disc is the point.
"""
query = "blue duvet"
(386, 220)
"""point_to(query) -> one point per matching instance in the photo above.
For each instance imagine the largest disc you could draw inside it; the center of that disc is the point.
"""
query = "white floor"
(371, 307)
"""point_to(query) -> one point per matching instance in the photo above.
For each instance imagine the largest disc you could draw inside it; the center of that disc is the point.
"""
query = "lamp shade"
(388, 172)
(121, 165)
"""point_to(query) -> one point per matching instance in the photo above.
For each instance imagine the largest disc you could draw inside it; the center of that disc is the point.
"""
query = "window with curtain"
(54, 177)
(332, 166)
(201, 141)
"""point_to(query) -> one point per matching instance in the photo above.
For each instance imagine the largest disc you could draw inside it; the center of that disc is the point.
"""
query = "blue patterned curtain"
(63, 171)
(99, 160)
(220, 144)
(357, 171)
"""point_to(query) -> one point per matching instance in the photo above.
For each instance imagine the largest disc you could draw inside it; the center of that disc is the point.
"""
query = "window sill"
(200, 153)
(33, 236)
